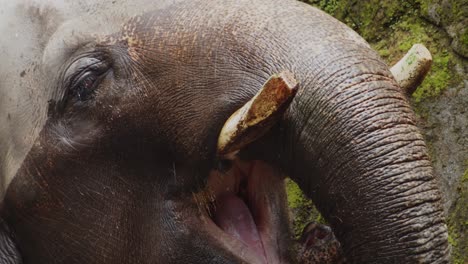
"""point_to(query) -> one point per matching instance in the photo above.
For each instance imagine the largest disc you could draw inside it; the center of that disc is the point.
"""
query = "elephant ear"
(9, 253)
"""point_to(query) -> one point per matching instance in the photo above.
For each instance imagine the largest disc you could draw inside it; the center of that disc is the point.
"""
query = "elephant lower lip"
(243, 210)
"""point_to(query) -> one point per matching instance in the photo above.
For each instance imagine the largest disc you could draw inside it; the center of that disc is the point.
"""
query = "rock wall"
(441, 102)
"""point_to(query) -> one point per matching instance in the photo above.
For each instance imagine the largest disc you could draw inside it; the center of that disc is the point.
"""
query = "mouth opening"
(243, 213)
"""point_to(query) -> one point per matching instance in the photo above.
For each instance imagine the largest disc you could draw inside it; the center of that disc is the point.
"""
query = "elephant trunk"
(354, 149)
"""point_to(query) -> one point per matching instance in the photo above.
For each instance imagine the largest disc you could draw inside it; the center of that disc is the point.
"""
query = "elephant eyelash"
(82, 74)
(80, 81)
(85, 85)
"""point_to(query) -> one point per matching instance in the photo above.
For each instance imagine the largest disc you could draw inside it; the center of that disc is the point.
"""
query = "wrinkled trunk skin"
(355, 150)
(350, 141)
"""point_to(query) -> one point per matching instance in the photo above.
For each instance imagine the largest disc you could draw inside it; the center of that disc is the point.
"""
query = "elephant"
(110, 114)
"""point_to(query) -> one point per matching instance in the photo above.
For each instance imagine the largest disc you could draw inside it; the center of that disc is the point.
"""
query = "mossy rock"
(452, 15)
(414, 30)
(369, 18)
(458, 224)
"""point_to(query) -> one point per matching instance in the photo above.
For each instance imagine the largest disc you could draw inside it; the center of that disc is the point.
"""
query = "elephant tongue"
(233, 217)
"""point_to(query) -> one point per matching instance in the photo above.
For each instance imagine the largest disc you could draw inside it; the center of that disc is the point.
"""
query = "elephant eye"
(83, 77)
(84, 88)
(84, 83)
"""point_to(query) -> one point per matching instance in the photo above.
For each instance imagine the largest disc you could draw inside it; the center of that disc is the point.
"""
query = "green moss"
(405, 34)
(302, 208)
(369, 18)
(424, 6)
(438, 79)
(458, 224)
(328, 6)
(384, 53)
(464, 38)
(450, 15)
(295, 196)
(452, 241)
(448, 12)
(411, 31)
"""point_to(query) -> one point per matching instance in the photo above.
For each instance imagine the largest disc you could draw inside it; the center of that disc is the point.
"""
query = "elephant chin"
(244, 214)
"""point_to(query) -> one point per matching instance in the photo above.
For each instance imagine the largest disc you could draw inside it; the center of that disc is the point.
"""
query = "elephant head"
(124, 168)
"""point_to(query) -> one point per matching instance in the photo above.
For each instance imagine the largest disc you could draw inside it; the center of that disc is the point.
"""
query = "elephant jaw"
(242, 216)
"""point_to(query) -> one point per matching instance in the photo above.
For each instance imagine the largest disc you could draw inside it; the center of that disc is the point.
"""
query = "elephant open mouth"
(241, 216)
(114, 116)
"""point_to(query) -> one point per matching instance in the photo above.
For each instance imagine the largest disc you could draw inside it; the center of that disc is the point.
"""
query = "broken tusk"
(258, 115)
(410, 71)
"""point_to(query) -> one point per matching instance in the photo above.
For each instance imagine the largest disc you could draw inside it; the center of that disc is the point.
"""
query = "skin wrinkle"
(425, 186)
(397, 161)
(341, 185)
(410, 231)
(353, 93)
(391, 146)
(313, 83)
(323, 63)
(341, 75)
(355, 116)
(389, 124)
(401, 193)
(394, 204)
(398, 251)
(439, 259)
(430, 232)
(395, 182)
(311, 111)
(421, 202)
(332, 118)
(407, 234)
(395, 193)
(390, 151)
(415, 204)
(372, 184)
(424, 247)
(375, 229)
(416, 168)
(398, 131)
(380, 103)
(398, 165)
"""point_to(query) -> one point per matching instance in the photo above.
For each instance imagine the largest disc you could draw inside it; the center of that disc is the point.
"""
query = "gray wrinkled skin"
(110, 180)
